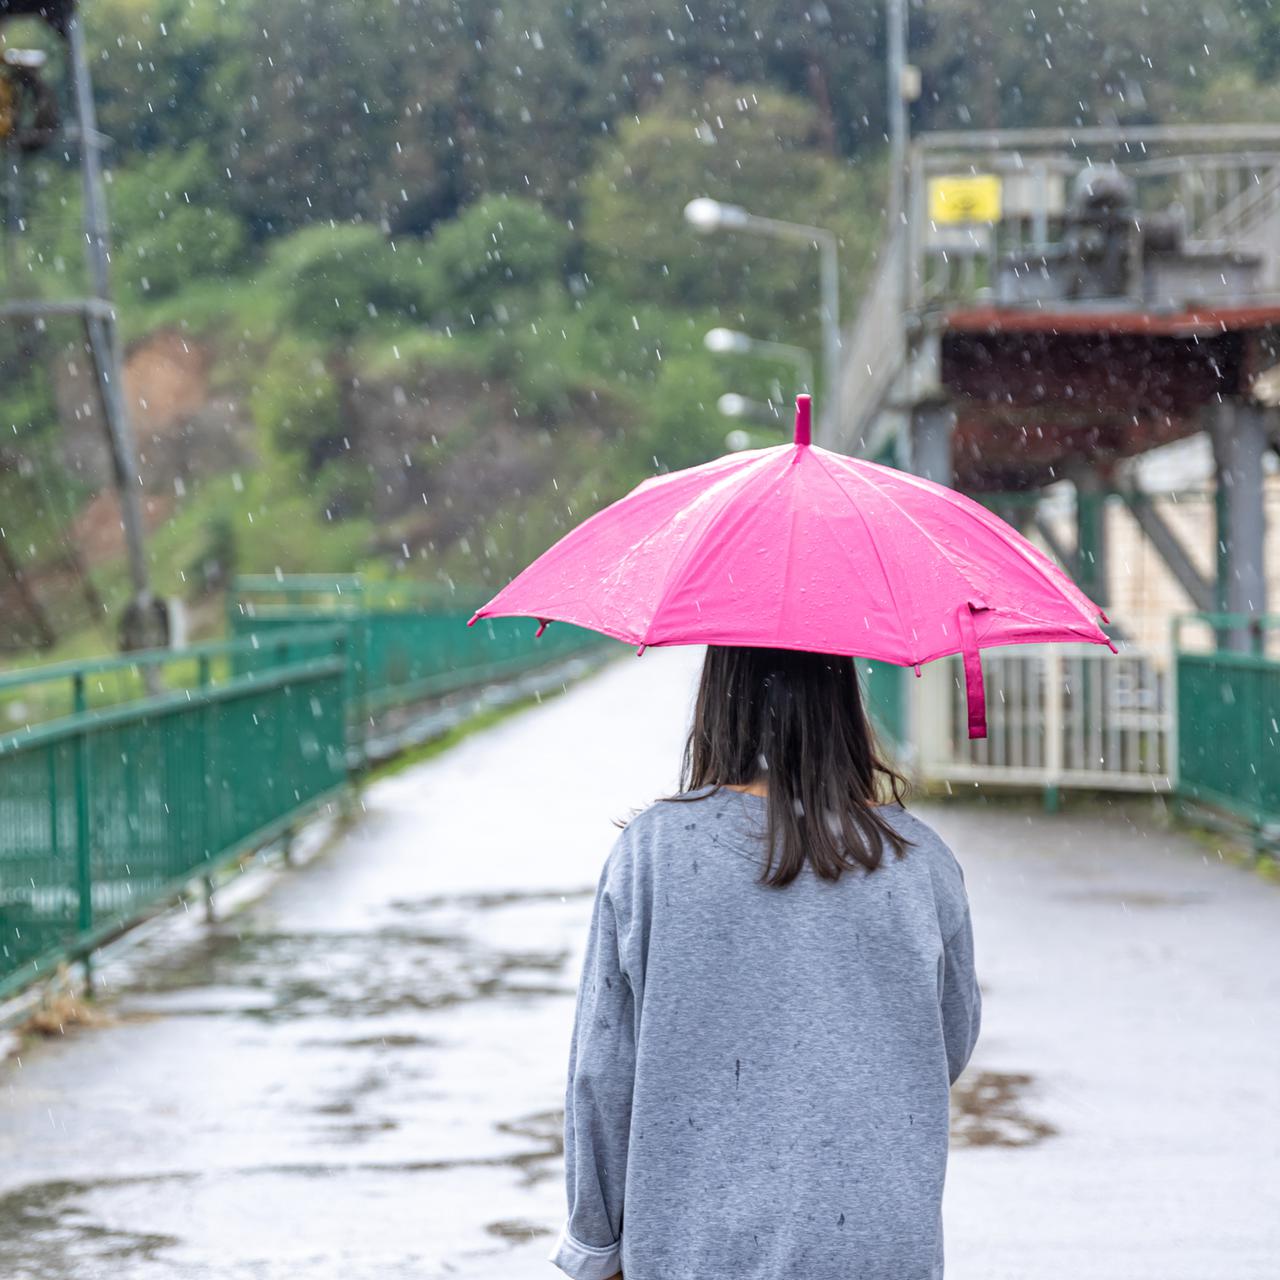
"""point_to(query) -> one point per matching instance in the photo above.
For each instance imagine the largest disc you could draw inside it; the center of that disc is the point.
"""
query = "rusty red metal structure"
(1057, 302)
(1035, 392)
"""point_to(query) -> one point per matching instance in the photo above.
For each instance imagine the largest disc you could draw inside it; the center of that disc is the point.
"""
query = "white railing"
(1227, 203)
(1056, 716)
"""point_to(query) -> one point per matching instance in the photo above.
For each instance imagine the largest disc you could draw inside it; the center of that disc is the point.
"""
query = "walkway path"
(359, 1074)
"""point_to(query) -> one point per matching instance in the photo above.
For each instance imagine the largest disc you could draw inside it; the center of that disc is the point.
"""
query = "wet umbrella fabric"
(797, 547)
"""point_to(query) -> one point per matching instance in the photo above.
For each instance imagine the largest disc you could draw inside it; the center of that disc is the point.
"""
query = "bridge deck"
(360, 1072)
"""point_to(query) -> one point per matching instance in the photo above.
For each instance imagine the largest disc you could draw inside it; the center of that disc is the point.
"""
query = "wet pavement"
(358, 1073)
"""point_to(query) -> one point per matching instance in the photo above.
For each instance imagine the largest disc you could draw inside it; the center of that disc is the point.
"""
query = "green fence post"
(288, 740)
(84, 827)
(202, 737)
(364, 649)
(207, 784)
(1257, 752)
(1175, 713)
(51, 757)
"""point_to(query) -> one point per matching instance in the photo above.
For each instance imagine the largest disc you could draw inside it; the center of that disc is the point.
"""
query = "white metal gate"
(1056, 716)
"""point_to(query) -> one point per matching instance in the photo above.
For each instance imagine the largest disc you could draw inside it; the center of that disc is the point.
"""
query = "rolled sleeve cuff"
(583, 1261)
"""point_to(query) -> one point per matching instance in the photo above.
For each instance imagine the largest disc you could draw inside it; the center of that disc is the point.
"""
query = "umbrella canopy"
(796, 547)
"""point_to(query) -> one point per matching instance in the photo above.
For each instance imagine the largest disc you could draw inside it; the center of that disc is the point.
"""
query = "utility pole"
(896, 43)
(144, 624)
(140, 626)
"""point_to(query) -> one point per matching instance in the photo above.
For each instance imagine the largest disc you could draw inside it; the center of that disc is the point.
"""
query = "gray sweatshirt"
(759, 1077)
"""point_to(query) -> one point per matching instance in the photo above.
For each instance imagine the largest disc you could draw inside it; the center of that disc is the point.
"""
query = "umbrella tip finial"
(803, 404)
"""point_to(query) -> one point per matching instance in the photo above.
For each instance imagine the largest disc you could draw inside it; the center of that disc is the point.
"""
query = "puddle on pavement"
(517, 1231)
(276, 976)
(61, 1229)
(1135, 898)
(490, 901)
(344, 1118)
(988, 1110)
(546, 1130)
(390, 1042)
(46, 1235)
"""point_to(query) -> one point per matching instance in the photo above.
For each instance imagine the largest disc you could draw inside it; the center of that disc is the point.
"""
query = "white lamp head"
(703, 213)
(723, 341)
(706, 214)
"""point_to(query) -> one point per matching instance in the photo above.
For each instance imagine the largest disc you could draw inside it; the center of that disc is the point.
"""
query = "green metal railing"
(113, 799)
(1228, 719)
(408, 642)
(106, 811)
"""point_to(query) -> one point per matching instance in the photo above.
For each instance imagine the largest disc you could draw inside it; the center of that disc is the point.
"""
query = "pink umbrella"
(796, 547)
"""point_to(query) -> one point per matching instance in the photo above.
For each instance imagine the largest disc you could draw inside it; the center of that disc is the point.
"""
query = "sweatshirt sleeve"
(961, 999)
(597, 1119)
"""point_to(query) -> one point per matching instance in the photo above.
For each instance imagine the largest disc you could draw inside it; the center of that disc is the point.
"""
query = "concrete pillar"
(933, 424)
(1239, 434)
(1092, 573)
(1017, 509)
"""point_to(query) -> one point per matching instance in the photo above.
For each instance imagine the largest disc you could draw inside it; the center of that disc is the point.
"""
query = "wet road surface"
(359, 1073)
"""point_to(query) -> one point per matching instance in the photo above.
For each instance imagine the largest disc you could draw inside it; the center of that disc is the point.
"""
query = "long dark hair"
(795, 722)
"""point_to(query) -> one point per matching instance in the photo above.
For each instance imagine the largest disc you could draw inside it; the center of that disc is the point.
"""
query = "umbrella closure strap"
(975, 692)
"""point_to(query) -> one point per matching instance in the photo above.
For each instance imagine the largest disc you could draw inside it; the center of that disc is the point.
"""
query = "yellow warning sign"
(964, 198)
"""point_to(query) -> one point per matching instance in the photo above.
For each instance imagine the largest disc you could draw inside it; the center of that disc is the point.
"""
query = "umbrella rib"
(791, 541)
(942, 551)
(958, 565)
(857, 569)
(875, 546)
(1044, 571)
(692, 544)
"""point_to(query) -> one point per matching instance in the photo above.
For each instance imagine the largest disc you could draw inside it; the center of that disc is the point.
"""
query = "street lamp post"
(706, 214)
(731, 342)
(733, 405)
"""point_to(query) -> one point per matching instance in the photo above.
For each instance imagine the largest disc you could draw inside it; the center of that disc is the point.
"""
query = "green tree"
(172, 229)
(1074, 63)
(743, 145)
(297, 402)
(831, 53)
(343, 279)
(497, 258)
(169, 74)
